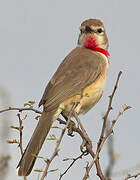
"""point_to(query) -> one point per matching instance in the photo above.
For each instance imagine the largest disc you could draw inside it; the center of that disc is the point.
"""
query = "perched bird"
(81, 74)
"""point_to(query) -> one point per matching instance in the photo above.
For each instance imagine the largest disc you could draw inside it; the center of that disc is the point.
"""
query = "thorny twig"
(84, 136)
(109, 107)
(102, 139)
(88, 147)
(21, 109)
(97, 164)
(132, 176)
(73, 161)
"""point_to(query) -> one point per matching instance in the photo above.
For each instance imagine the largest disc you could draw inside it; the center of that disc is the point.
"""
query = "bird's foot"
(83, 146)
(71, 128)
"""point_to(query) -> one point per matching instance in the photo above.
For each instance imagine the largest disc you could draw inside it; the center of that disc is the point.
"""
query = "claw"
(70, 133)
(83, 145)
(85, 152)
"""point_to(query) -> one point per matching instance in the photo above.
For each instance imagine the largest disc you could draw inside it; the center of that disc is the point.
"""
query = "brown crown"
(94, 22)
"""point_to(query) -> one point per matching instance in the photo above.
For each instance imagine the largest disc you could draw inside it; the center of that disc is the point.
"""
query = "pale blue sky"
(36, 35)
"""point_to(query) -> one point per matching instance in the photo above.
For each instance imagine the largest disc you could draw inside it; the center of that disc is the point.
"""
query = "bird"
(81, 75)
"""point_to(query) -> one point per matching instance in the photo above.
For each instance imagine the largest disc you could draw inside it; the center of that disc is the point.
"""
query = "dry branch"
(132, 176)
(73, 161)
(84, 136)
(109, 106)
(21, 109)
(20, 134)
(103, 138)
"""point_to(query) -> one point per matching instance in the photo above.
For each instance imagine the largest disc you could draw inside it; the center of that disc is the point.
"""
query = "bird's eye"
(99, 30)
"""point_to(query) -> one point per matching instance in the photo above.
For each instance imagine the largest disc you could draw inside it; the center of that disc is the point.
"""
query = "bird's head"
(93, 35)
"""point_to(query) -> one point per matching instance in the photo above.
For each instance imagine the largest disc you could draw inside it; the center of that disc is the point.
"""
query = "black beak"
(88, 29)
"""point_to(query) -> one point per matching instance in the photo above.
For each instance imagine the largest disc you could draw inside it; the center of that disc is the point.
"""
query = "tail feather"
(43, 127)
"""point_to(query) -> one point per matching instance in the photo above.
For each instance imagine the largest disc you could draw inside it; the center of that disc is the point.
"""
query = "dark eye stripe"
(88, 29)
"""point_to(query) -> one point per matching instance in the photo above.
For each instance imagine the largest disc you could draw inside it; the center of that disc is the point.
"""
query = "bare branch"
(21, 109)
(110, 105)
(97, 164)
(132, 176)
(20, 134)
(73, 161)
(101, 144)
(102, 139)
(84, 136)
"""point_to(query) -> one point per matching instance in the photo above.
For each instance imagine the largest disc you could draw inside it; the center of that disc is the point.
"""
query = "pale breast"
(92, 94)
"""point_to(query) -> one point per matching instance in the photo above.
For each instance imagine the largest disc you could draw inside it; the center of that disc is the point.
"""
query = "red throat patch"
(91, 43)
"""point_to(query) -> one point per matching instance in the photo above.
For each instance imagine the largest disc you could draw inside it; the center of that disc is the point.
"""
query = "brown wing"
(78, 70)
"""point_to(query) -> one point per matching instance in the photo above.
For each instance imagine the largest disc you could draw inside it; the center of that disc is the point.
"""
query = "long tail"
(43, 127)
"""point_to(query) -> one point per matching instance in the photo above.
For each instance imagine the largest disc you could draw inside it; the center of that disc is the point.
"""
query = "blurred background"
(35, 36)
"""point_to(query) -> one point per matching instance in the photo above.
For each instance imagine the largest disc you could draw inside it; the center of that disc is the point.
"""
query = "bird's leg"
(86, 139)
(71, 125)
